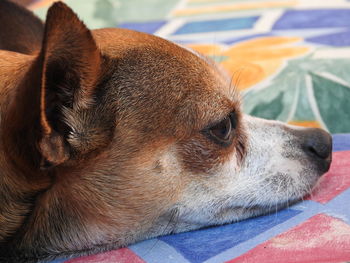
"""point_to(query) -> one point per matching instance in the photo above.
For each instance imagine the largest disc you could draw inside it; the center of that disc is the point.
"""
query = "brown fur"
(21, 31)
(84, 122)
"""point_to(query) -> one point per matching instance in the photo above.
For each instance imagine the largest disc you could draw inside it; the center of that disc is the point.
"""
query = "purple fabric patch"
(316, 18)
(341, 142)
(341, 39)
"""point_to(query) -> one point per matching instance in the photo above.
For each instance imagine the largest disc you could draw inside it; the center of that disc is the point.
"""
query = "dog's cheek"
(199, 155)
(204, 181)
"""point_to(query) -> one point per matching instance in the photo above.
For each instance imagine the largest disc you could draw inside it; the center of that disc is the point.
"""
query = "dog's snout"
(317, 144)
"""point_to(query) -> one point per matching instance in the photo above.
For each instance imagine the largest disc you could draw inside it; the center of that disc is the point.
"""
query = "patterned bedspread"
(291, 61)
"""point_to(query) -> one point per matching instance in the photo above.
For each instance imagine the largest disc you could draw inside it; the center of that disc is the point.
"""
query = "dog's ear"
(71, 66)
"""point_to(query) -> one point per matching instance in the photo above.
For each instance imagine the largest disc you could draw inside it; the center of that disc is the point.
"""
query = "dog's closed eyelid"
(232, 116)
(222, 132)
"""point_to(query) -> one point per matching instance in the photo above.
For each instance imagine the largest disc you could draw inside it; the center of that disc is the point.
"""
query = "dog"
(112, 136)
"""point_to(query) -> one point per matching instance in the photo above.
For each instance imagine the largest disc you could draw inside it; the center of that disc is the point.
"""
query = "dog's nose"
(317, 144)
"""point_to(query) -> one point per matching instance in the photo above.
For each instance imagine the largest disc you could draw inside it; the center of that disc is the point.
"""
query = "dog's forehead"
(145, 50)
(154, 76)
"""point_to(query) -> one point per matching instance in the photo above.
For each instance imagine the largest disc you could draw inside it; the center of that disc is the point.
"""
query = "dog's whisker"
(171, 223)
(234, 82)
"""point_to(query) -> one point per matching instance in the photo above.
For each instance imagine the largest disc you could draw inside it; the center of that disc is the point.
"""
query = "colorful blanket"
(291, 61)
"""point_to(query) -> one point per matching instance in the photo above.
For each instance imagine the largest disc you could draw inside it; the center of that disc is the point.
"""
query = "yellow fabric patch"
(252, 61)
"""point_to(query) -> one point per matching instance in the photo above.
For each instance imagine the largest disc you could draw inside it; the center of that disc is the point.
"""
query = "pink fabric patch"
(123, 255)
(335, 181)
(320, 239)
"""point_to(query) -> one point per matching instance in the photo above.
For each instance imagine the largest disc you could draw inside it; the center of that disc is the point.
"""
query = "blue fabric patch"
(147, 27)
(338, 208)
(341, 142)
(198, 246)
(341, 39)
(217, 25)
(319, 18)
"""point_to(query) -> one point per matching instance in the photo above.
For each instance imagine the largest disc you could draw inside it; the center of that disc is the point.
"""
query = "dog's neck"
(20, 97)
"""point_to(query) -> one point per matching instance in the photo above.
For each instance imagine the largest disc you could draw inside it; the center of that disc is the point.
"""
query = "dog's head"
(129, 136)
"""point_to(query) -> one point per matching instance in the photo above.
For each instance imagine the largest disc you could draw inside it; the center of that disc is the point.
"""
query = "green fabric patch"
(109, 13)
(269, 110)
(333, 101)
(309, 94)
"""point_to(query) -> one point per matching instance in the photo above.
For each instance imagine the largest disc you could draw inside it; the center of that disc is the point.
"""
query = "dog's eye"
(222, 132)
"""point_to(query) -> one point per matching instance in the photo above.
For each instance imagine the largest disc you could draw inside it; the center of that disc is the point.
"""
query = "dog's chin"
(233, 213)
(230, 214)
